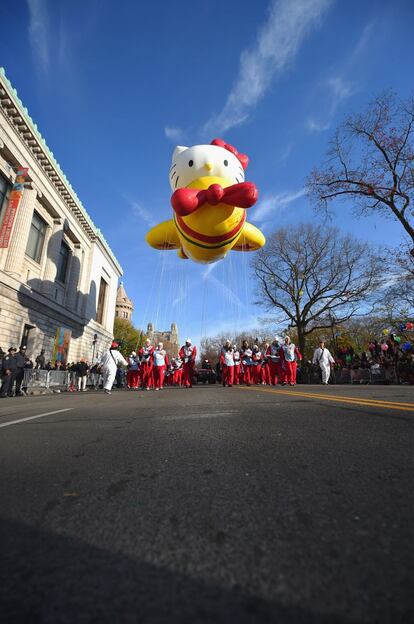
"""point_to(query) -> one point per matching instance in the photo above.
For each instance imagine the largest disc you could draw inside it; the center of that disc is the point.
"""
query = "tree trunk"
(301, 339)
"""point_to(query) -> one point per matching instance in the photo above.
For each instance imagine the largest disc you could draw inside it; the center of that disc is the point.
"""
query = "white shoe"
(107, 392)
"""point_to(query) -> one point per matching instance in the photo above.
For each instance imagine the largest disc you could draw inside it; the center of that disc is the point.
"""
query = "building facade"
(169, 339)
(124, 306)
(58, 276)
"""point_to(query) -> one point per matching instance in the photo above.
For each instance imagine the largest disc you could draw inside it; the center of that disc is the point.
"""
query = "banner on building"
(61, 345)
(12, 206)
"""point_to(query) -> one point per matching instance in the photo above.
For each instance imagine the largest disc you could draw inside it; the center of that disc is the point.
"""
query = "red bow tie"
(185, 200)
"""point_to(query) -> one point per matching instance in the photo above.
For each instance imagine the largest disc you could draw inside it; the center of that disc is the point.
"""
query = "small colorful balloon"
(409, 326)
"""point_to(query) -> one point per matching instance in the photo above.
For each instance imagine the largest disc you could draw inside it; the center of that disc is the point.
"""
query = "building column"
(73, 281)
(52, 257)
(20, 234)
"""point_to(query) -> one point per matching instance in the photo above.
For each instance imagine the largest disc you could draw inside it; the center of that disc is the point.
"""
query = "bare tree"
(397, 301)
(315, 278)
(371, 162)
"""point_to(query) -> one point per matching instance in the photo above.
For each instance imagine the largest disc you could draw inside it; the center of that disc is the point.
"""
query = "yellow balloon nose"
(208, 166)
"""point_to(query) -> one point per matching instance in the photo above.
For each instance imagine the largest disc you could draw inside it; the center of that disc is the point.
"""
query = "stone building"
(124, 306)
(168, 338)
(58, 275)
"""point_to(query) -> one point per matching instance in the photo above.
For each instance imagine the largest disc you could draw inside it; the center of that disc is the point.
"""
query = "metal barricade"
(58, 380)
(35, 378)
(44, 380)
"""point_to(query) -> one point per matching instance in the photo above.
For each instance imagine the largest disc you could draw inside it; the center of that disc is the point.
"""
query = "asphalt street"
(209, 505)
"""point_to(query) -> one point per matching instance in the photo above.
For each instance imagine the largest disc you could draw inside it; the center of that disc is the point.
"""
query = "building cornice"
(19, 119)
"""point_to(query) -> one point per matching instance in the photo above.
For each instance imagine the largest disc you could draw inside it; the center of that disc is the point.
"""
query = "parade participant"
(323, 358)
(177, 371)
(274, 361)
(257, 365)
(133, 371)
(227, 364)
(160, 359)
(109, 361)
(145, 354)
(288, 354)
(188, 355)
(247, 362)
(265, 372)
(237, 361)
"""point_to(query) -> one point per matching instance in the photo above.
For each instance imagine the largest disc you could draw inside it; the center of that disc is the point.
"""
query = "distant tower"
(124, 305)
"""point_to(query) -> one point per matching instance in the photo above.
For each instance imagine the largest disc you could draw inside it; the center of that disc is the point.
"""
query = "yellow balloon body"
(210, 232)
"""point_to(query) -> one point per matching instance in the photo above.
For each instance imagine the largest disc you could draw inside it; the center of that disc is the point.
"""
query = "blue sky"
(114, 86)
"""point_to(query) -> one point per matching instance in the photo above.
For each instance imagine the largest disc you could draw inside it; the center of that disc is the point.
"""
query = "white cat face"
(190, 163)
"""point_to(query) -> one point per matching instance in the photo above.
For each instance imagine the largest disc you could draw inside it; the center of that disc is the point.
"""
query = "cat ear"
(178, 150)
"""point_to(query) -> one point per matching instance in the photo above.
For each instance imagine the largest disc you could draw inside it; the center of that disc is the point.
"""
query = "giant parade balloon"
(209, 200)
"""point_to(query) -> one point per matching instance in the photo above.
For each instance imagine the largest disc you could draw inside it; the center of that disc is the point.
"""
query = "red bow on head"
(242, 157)
(185, 200)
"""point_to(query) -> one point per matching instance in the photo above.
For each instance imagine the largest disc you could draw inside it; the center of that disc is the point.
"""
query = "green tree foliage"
(129, 337)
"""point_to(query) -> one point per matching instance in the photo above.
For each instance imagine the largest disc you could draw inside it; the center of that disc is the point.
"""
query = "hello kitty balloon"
(209, 199)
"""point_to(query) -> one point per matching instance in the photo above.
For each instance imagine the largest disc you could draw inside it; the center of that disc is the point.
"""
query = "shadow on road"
(48, 578)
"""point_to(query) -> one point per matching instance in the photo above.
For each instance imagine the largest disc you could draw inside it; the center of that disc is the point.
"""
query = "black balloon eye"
(190, 163)
(226, 162)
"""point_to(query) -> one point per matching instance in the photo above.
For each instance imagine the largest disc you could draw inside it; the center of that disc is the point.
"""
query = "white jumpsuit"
(324, 358)
(109, 362)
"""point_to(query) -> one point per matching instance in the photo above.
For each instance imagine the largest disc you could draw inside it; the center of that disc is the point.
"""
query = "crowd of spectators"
(16, 361)
(389, 360)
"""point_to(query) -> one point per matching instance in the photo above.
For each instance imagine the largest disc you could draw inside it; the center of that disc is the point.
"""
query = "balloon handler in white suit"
(109, 362)
(323, 358)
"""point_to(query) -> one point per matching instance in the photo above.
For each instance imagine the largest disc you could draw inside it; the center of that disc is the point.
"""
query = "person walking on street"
(289, 354)
(109, 362)
(82, 371)
(9, 373)
(323, 358)
(188, 354)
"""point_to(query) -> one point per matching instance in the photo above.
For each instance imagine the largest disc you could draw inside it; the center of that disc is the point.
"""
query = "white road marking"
(16, 422)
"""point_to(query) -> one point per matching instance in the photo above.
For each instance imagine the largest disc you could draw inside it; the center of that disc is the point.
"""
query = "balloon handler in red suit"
(227, 364)
(160, 363)
(273, 355)
(146, 357)
(289, 354)
(188, 355)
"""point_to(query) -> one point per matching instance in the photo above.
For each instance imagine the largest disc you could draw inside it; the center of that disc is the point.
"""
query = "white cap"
(133, 353)
(160, 344)
(188, 340)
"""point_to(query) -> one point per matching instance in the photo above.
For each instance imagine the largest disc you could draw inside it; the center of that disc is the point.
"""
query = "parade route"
(208, 505)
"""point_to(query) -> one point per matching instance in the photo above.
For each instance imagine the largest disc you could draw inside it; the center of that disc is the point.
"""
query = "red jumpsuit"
(246, 357)
(236, 355)
(188, 355)
(160, 362)
(147, 366)
(227, 363)
(257, 367)
(274, 363)
(288, 353)
(177, 367)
